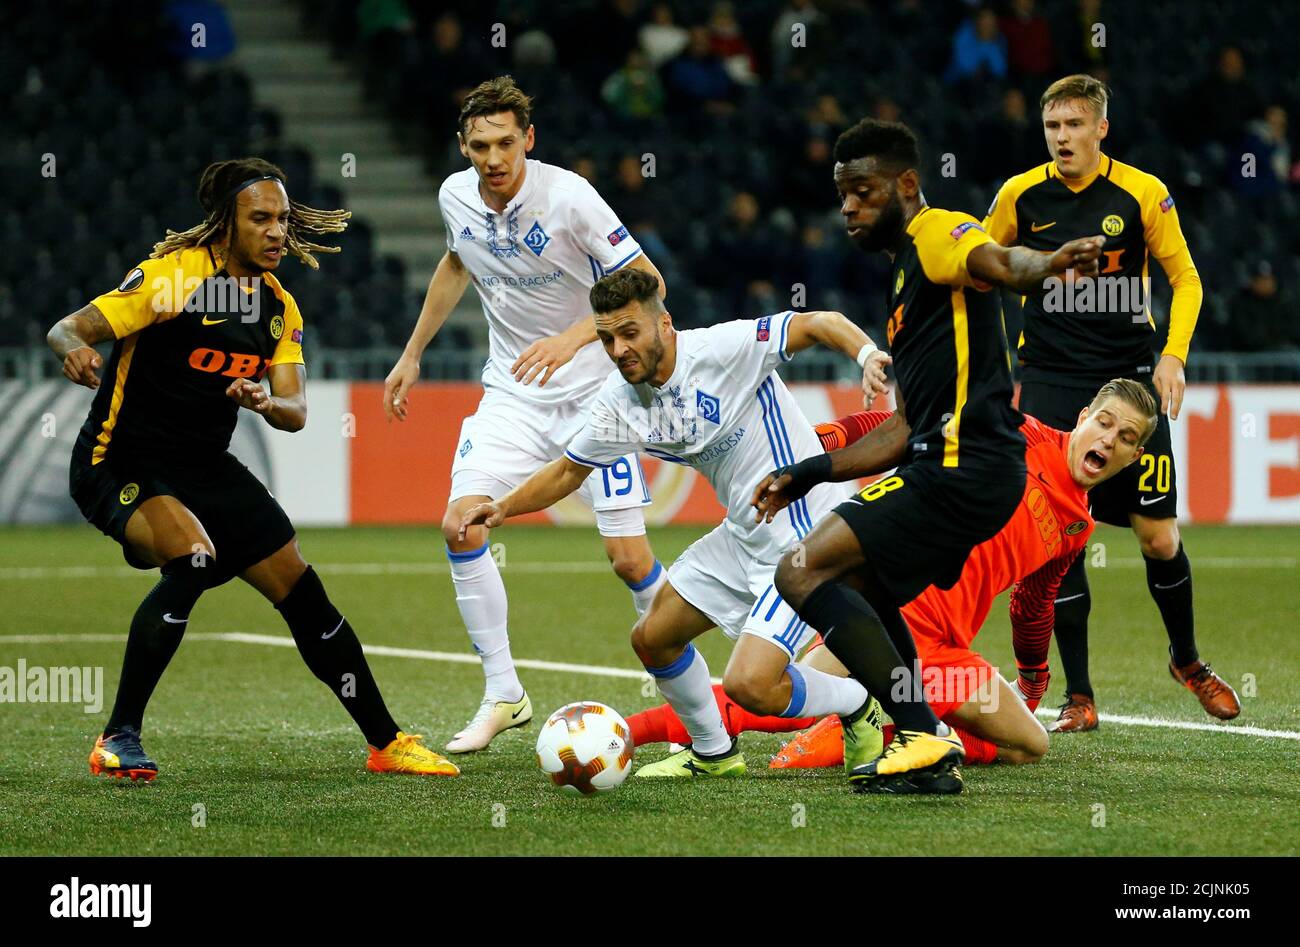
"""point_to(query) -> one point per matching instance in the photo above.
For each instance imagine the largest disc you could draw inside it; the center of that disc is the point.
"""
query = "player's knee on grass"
(1030, 749)
(1158, 539)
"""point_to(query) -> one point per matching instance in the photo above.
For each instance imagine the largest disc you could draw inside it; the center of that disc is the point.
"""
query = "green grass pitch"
(243, 731)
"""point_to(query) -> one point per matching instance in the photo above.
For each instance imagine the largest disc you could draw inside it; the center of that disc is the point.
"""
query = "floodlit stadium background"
(708, 128)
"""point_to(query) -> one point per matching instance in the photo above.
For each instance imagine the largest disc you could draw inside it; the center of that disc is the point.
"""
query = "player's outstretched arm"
(834, 331)
(545, 488)
(285, 408)
(72, 340)
(1024, 270)
(445, 289)
(883, 448)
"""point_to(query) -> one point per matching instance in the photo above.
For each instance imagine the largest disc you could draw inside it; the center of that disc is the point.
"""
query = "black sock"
(1073, 603)
(156, 632)
(330, 647)
(1170, 583)
(855, 634)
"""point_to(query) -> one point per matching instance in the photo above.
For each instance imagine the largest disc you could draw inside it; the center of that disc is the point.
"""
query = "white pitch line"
(586, 567)
(596, 670)
(1163, 723)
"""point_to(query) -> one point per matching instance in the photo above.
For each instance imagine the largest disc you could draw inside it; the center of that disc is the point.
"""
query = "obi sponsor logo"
(229, 364)
(134, 901)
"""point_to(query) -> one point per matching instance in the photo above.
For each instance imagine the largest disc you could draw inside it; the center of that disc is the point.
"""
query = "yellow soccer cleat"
(493, 717)
(863, 738)
(406, 754)
(915, 762)
(688, 764)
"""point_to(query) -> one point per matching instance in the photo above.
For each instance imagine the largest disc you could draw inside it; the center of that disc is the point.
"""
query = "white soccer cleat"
(493, 717)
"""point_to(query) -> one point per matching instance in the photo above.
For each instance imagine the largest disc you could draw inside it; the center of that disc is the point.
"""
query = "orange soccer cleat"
(823, 745)
(1215, 694)
(1078, 714)
(405, 754)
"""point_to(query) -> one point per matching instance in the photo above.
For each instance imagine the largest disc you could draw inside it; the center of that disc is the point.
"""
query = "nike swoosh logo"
(516, 713)
(1070, 598)
(330, 634)
(1175, 585)
(213, 322)
(167, 617)
(1035, 228)
(1145, 502)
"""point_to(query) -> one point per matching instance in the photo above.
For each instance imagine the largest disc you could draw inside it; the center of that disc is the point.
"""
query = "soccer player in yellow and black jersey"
(195, 328)
(1077, 337)
(961, 466)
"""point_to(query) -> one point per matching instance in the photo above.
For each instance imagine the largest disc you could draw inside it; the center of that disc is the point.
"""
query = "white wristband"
(864, 353)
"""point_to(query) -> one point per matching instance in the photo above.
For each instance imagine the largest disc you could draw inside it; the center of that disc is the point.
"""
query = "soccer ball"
(585, 748)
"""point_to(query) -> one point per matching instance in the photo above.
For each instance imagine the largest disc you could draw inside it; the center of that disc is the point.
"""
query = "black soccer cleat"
(121, 755)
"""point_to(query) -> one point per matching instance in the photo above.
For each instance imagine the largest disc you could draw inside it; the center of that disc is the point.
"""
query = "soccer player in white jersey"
(711, 399)
(533, 238)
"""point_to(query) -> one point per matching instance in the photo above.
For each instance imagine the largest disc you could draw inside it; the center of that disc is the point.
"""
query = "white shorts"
(720, 577)
(506, 440)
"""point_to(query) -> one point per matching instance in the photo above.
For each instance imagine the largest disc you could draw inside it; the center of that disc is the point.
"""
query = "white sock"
(643, 592)
(481, 598)
(686, 686)
(815, 693)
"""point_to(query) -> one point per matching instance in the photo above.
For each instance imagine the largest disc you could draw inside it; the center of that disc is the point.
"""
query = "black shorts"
(1148, 487)
(243, 520)
(918, 526)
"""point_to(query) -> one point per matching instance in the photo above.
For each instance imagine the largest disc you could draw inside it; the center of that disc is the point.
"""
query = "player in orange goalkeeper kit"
(1045, 534)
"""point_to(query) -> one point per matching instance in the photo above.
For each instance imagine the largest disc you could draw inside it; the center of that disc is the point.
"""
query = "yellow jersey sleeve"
(288, 351)
(154, 291)
(1000, 222)
(1165, 242)
(943, 240)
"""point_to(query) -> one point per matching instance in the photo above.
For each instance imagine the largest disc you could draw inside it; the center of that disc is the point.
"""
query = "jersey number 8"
(880, 488)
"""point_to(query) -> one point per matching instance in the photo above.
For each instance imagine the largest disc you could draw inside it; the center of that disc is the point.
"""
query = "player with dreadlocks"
(195, 328)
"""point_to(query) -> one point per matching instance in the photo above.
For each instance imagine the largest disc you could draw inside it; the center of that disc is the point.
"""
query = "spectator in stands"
(979, 50)
(661, 39)
(816, 262)
(796, 13)
(728, 43)
(1009, 142)
(1029, 43)
(1262, 321)
(806, 184)
(218, 37)
(744, 255)
(1267, 142)
(1080, 43)
(885, 109)
(1215, 108)
(631, 197)
(634, 92)
(445, 72)
(698, 80)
